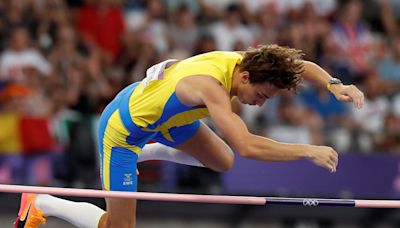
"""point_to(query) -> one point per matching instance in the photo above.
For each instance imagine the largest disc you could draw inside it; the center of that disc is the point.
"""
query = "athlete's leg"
(118, 172)
(118, 169)
(120, 213)
(158, 151)
(121, 177)
(200, 142)
(36, 207)
(209, 149)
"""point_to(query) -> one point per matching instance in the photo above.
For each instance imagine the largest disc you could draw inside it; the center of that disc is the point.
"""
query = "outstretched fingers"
(334, 161)
(354, 95)
(326, 157)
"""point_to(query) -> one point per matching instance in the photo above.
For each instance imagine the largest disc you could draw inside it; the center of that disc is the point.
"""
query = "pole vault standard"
(191, 198)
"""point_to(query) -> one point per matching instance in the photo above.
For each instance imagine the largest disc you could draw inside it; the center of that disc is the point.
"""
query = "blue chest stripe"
(171, 108)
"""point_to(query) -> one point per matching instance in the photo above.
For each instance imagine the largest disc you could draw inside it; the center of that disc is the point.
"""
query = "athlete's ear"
(244, 77)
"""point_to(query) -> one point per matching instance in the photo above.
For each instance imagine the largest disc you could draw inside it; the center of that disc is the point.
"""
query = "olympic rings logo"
(310, 202)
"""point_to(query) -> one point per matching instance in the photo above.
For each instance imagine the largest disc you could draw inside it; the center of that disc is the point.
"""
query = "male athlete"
(166, 107)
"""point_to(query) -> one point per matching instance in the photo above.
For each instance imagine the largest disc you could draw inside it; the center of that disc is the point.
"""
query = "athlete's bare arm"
(349, 93)
(205, 90)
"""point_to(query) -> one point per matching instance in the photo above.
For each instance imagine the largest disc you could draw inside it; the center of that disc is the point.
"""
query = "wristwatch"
(333, 81)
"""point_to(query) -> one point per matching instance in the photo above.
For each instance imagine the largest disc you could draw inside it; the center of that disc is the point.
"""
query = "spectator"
(389, 66)
(66, 53)
(389, 141)
(333, 114)
(231, 30)
(192, 5)
(325, 104)
(183, 23)
(19, 57)
(396, 105)
(267, 27)
(294, 123)
(369, 121)
(205, 43)
(353, 39)
(53, 14)
(15, 13)
(155, 26)
(101, 24)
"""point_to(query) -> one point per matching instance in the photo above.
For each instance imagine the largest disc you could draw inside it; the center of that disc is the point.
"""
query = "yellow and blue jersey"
(151, 110)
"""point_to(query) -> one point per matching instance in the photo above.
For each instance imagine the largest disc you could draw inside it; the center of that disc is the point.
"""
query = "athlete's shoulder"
(224, 54)
(217, 55)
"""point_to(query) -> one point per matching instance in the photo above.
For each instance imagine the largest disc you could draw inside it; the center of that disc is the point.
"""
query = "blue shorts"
(120, 142)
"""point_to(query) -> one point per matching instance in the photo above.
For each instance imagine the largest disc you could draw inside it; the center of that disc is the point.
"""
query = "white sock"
(86, 215)
(80, 214)
(158, 151)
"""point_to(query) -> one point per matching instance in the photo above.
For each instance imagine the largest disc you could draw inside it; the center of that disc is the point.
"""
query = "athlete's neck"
(235, 81)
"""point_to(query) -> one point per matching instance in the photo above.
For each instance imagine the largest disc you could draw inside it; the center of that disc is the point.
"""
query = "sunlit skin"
(217, 154)
(253, 94)
(203, 90)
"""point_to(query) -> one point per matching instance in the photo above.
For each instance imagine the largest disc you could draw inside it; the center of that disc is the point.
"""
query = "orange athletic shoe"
(29, 216)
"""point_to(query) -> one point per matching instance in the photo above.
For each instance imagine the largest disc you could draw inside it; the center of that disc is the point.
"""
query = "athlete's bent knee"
(226, 163)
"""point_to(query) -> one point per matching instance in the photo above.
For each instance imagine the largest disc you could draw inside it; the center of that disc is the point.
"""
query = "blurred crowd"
(64, 60)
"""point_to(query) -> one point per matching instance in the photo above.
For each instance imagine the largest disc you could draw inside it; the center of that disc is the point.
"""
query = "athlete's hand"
(324, 156)
(349, 93)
